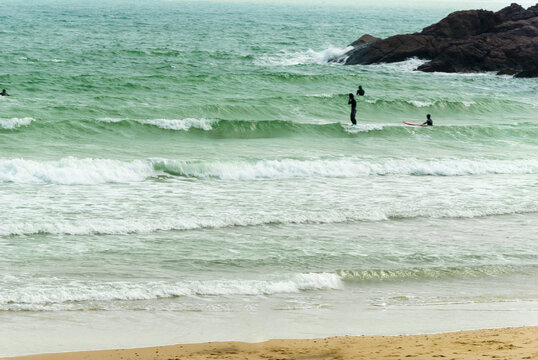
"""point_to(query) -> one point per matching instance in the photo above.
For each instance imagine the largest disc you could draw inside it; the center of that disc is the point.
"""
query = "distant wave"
(13, 123)
(286, 58)
(72, 170)
(279, 128)
(169, 124)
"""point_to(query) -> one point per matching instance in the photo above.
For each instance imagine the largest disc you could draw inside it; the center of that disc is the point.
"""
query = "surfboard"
(414, 124)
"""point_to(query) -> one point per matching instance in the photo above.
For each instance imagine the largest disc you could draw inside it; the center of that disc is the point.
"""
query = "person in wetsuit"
(353, 103)
(428, 122)
(4, 93)
(360, 91)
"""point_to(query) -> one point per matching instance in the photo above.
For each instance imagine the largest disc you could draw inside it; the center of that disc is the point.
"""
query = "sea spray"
(14, 123)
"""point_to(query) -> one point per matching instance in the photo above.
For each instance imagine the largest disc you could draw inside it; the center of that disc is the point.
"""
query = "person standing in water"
(360, 91)
(428, 122)
(4, 93)
(353, 103)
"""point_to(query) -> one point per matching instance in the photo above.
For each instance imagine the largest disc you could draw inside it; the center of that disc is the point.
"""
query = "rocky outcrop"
(364, 40)
(464, 41)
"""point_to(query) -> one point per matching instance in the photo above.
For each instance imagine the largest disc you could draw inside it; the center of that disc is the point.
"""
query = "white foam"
(71, 170)
(420, 104)
(403, 66)
(13, 123)
(58, 294)
(182, 124)
(170, 124)
(89, 226)
(363, 128)
(348, 167)
(468, 103)
(286, 58)
(111, 120)
(135, 225)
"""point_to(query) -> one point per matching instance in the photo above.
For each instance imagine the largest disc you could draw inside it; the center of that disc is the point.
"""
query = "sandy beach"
(507, 343)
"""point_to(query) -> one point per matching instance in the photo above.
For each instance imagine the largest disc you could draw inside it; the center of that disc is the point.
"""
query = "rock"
(507, 72)
(464, 41)
(463, 24)
(365, 39)
(527, 74)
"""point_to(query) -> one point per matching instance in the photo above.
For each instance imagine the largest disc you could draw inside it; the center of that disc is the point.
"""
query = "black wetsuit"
(360, 92)
(3, 93)
(353, 103)
(428, 122)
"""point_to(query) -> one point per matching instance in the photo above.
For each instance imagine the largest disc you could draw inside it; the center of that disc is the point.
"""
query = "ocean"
(176, 172)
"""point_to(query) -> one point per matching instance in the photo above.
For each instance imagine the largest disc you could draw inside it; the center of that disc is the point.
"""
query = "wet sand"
(508, 343)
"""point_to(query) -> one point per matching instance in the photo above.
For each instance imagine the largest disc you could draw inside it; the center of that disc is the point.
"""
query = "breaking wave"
(72, 170)
(169, 124)
(54, 294)
(286, 58)
(10, 124)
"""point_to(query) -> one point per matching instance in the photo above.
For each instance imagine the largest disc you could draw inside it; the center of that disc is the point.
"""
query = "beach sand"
(508, 343)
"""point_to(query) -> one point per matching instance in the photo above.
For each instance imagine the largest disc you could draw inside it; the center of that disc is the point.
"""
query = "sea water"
(185, 171)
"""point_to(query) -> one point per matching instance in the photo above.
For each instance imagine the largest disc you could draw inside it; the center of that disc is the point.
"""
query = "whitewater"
(172, 172)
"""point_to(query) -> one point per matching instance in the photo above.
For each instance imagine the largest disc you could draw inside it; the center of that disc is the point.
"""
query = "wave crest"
(286, 58)
(292, 168)
(13, 123)
(54, 292)
(70, 170)
(169, 124)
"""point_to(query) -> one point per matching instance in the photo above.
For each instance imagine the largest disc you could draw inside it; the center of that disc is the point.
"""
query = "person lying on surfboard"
(4, 93)
(428, 122)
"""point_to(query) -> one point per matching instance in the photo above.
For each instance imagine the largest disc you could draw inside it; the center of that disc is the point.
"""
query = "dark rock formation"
(363, 40)
(464, 41)
(507, 72)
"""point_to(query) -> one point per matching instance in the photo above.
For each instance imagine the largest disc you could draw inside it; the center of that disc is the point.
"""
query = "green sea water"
(177, 171)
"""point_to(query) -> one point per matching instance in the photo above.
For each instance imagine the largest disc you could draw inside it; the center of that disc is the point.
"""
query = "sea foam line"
(123, 226)
(169, 124)
(344, 168)
(51, 291)
(56, 294)
(72, 170)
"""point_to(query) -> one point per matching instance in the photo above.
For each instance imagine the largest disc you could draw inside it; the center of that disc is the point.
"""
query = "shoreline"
(500, 343)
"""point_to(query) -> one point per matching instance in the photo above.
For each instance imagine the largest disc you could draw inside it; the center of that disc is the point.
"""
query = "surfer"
(360, 91)
(4, 93)
(353, 103)
(428, 122)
